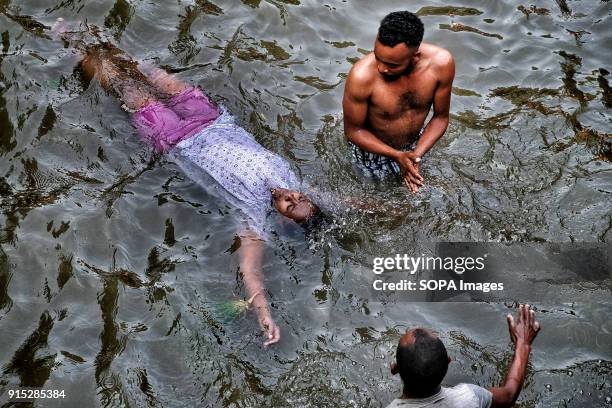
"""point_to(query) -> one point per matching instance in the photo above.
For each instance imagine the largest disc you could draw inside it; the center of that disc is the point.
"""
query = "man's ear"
(394, 368)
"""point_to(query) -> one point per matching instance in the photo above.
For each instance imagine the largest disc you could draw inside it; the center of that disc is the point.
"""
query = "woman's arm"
(251, 254)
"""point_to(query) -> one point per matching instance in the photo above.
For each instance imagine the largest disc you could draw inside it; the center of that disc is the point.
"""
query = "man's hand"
(271, 330)
(522, 333)
(411, 182)
(410, 163)
(525, 330)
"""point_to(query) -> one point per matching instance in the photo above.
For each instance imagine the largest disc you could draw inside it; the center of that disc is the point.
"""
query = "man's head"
(399, 37)
(293, 204)
(421, 361)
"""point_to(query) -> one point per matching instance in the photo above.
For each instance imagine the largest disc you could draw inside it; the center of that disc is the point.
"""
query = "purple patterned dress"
(202, 137)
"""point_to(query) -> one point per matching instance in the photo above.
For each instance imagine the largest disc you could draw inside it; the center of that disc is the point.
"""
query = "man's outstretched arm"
(522, 333)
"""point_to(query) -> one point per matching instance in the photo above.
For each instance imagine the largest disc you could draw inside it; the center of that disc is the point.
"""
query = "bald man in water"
(388, 95)
(422, 362)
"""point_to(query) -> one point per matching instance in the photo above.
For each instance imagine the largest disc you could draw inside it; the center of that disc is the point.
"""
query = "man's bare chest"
(396, 99)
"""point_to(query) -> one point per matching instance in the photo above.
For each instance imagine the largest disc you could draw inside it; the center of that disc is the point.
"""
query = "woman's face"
(292, 204)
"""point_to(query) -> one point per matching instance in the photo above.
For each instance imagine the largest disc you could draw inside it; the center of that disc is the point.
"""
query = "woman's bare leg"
(100, 60)
(134, 93)
(165, 82)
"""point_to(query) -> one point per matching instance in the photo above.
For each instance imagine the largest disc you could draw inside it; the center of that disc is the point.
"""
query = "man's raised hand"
(526, 328)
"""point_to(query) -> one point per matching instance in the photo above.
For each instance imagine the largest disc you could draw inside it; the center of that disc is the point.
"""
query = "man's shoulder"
(364, 71)
(399, 403)
(439, 58)
(463, 392)
(360, 79)
(459, 396)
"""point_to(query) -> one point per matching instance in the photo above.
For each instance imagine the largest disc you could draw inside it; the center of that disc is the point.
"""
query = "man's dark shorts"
(378, 166)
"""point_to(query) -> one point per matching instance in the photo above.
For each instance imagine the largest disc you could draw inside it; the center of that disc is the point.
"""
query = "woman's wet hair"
(317, 220)
(401, 26)
(314, 216)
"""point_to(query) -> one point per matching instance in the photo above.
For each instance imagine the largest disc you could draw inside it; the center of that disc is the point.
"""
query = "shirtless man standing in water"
(388, 95)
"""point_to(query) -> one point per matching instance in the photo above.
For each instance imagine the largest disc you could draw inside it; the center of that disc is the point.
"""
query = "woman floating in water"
(180, 119)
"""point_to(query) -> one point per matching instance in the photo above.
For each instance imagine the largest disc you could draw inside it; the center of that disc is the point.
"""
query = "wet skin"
(402, 94)
(292, 204)
(295, 206)
(388, 96)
